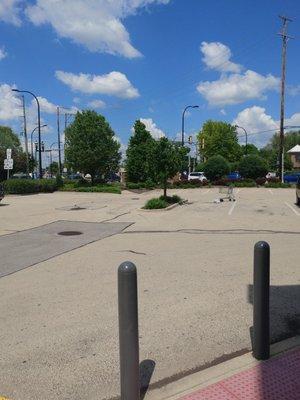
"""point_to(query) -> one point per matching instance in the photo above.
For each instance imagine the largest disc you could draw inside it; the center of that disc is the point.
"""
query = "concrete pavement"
(60, 336)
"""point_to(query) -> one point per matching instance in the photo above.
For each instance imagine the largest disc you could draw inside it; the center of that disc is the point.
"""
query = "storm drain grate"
(70, 233)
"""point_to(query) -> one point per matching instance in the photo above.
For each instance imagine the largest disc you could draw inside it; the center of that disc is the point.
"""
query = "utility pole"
(25, 135)
(285, 38)
(58, 139)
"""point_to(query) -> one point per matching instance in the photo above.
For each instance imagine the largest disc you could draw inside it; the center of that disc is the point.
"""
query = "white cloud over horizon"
(112, 84)
(233, 86)
(10, 11)
(97, 104)
(3, 53)
(151, 126)
(95, 24)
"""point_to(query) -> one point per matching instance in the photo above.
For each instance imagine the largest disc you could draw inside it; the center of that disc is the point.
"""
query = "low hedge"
(27, 186)
(275, 185)
(70, 187)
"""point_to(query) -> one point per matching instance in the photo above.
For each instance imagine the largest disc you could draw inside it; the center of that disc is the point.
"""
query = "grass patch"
(276, 185)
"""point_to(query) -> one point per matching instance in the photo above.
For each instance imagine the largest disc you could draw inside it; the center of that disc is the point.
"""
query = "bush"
(71, 187)
(156, 204)
(276, 185)
(253, 166)
(261, 181)
(20, 186)
(216, 167)
(222, 182)
(59, 181)
(273, 179)
(46, 185)
(245, 183)
(171, 199)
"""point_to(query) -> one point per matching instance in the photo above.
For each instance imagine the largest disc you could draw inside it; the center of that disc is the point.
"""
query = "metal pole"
(25, 135)
(58, 139)
(261, 309)
(182, 127)
(128, 331)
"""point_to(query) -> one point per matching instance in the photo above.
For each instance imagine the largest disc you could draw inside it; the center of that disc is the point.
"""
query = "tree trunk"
(165, 189)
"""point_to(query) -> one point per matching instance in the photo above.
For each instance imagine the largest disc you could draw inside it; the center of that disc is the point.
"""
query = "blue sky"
(131, 59)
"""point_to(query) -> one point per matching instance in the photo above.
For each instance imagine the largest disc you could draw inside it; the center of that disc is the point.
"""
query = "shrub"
(216, 167)
(245, 183)
(222, 182)
(275, 185)
(156, 204)
(273, 179)
(98, 188)
(59, 181)
(260, 181)
(46, 185)
(253, 166)
(171, 199)
(134, 185)
(20, 186)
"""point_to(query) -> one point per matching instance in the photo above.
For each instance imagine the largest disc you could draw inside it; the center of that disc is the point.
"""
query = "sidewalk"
(276, 379)
(242, 378)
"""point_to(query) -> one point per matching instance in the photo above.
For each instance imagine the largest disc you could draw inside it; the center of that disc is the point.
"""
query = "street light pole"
(182, 123)
(246, 134)
(39, 127)
(31, 137)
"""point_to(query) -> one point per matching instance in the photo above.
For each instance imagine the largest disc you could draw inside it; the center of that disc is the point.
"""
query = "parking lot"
(59, 336)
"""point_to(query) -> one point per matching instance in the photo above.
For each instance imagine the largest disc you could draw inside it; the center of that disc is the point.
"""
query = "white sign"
(8, 163)
(8, 153)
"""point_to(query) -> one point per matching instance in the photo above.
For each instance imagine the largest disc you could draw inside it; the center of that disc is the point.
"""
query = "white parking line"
(232, 208)
(292, 208)
(271, 191)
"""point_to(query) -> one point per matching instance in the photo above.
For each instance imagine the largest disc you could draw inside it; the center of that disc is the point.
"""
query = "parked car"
(298, 192)
(21, 175)
(292, 178)
(197, 175)
(1, 192)
(234, 176)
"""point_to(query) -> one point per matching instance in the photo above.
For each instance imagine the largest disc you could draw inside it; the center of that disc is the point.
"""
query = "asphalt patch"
(23, 249)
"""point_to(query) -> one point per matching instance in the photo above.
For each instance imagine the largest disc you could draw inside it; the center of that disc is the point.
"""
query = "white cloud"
(254, 119)
(3, 53)
(96, 24)
(97, 104)
(46, 106)
(9, 11)
(113, 84)
(76, 100)
(217, 56)
(294, 120)
(223, 112)
(152, 128)
(10, 103)
(237, 88)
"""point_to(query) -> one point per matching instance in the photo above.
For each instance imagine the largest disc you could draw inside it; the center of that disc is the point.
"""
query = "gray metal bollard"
(261, 307)
(128, 331)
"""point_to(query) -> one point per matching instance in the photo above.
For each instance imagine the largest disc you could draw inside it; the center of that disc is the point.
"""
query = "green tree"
(251, 149)
(219, 138)
(91, 146)
(216, 167)
(9, 140)
(53, 168)
(167, 159)
(253, 167)
(138, 154)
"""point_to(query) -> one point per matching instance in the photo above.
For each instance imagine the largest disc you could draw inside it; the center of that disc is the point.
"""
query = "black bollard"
(128, 331)
(261, 308)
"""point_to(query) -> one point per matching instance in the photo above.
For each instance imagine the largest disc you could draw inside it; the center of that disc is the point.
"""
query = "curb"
(159, 209)
(209, 376)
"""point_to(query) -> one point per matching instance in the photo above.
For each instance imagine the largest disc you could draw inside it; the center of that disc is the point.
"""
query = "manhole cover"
(70, 233)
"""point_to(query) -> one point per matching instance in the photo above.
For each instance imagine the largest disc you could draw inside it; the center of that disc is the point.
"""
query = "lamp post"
(39, 127)
(182, 123)
(58, 133)
(246, 134)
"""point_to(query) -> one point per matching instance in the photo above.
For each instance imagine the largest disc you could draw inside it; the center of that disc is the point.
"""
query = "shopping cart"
(228, 193)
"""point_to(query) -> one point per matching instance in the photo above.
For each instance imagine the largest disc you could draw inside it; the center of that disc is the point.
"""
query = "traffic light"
(42, 146)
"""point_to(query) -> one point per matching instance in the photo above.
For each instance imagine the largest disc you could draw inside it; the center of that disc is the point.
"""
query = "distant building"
(295, 156)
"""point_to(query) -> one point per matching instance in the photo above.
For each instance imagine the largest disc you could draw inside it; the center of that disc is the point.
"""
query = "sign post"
(8, 162)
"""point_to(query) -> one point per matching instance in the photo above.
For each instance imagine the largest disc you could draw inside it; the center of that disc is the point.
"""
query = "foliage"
(276, 185)
(200, 167)
(253, 166)
(8, 139)
(20, 186)
(91, 146)
(140, 185)
(59, 181)
(72, 187)
(156, 204)
(138, 154)
(261, 181)
(53, 168)
(195, 183)
(216, 167)
(217, 137)
(46, 185)
(167, 159)
(171, 199)
(245, 183)
(251, 149)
